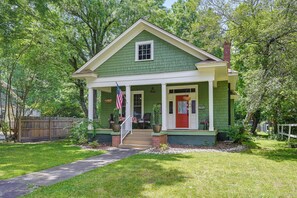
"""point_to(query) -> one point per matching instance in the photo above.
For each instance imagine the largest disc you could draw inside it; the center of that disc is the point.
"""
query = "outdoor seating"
(145, 121)
(205, 123)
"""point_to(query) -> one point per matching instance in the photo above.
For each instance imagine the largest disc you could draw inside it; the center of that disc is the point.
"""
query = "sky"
(168, 3)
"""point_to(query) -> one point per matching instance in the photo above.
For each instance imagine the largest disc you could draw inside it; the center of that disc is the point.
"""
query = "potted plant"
(116, 127)
(156, 116)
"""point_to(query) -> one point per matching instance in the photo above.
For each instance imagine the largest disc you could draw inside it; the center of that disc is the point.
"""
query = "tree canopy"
(43, 42)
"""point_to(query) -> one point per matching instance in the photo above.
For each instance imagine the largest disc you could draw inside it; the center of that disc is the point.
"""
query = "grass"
(18, 159)
(268, 171)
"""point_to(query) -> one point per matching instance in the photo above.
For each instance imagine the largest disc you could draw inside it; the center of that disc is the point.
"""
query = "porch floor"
(168, 132)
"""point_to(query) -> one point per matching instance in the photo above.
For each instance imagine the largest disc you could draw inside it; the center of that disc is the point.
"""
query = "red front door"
(182, 113)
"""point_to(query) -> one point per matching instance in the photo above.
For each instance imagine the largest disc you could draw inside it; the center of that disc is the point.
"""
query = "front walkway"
(24, 184)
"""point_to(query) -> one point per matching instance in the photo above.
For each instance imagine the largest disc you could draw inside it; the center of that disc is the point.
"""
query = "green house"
(151, 66)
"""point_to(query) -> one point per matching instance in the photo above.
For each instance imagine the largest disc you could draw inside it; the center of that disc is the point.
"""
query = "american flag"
(119, 100)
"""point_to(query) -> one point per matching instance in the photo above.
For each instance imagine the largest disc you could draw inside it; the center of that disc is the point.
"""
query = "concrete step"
(139, 135)
(135, 146)
(139, 142)
(138, 138)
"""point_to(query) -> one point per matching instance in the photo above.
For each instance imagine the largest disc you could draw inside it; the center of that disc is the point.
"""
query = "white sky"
(168, 3)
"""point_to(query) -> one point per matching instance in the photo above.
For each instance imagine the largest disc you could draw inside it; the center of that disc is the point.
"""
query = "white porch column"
(210, 105)
(128, 104)
(90, 107)
(164, 107)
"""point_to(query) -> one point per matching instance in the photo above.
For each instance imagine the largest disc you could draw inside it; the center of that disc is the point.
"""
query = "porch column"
(210, 105)
(164, 108)
(128, 103)
(90, 107)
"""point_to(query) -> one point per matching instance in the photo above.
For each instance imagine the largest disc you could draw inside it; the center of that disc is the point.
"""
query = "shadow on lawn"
(136, 175)
(278, 153)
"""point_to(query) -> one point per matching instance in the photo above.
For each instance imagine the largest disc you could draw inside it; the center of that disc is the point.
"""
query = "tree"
(264, 35)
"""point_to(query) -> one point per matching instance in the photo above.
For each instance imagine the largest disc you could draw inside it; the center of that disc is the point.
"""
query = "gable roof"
(131, 33)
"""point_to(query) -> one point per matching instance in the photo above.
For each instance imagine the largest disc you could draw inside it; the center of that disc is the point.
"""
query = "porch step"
(139, 142)
(135, 146)
(139, 137)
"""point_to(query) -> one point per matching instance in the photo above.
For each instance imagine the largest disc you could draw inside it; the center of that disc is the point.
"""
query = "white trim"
(174, 104)
(210, 105)
(90, 107)
(152, 79)
(137, 44)
(90, 75)
(131, 33)
(128, 101)
(164, 107)
(142, 102)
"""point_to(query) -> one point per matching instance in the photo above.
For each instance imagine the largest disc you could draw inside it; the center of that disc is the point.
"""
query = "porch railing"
(126, 127)
(289, 133)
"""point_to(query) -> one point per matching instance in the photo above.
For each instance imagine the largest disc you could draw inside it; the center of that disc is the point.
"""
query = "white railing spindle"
(126, 127)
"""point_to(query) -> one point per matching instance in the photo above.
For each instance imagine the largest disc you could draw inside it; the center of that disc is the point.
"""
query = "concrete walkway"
(22, 185)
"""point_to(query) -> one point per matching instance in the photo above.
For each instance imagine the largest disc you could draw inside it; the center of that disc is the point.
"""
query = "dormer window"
(144, 51)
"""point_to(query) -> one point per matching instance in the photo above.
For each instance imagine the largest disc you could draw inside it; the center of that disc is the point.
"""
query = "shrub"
(79, 133)
(116, 114)
(238, 134)
(164, 147)
(94, 144)
(4, 127)
(156, 114)
(292, 143)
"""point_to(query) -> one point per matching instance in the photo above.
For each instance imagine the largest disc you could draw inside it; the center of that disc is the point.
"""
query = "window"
(137, 104)
(170, 107)
(144, 51)
(192, 90)
(193, 104)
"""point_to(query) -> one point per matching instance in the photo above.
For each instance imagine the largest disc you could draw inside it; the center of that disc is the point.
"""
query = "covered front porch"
(184, 105)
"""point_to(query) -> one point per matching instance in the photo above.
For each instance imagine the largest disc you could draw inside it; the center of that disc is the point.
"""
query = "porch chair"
(111, 121)
(146, 120)
(205, 122)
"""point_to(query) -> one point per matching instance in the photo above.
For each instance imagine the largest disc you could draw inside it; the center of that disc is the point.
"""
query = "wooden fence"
(287, 130)
(44, 128)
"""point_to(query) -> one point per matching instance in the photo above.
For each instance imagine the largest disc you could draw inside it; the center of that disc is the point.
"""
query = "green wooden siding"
(149, 98)
(167, 58)
(220, 100)
(232, 112)
(202, 102)
(220, 103)
(106, 108)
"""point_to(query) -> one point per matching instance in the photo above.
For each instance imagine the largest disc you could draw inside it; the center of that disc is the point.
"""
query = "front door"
(182, 112)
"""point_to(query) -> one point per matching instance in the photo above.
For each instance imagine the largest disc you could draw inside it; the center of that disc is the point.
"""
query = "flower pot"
(157, 128)
(116, 127)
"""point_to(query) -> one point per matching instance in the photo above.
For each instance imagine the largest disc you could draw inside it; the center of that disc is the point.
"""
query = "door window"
(182, 107)
(137, 105)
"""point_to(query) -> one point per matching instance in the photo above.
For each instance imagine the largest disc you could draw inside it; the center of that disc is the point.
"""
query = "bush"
(292, 143)
(4, 127)
(79, 133)
(238, 134)
(164, 147)
(156, 114)
(94, 144)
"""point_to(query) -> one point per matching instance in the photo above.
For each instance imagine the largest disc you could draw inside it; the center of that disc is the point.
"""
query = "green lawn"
(19, 159)
(269, 171)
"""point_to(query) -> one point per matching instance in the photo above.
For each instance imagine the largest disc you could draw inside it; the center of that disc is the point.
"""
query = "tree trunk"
(82, 100)
(256, 120)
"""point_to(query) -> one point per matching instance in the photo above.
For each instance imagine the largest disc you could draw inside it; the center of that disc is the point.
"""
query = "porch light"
(153, 90)
(187, 98)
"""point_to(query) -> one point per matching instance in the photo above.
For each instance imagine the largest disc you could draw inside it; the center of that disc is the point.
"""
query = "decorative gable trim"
(131, 33)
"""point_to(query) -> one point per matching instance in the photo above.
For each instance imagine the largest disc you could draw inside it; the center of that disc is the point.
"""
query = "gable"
(167, 58)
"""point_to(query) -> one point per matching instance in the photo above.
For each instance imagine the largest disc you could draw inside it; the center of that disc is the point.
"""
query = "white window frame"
(142, 102)
(151, 42)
